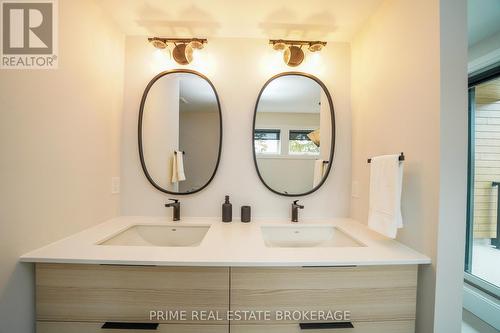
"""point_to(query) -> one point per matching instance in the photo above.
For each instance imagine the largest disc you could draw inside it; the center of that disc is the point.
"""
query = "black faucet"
(295, 211)
(177, 209)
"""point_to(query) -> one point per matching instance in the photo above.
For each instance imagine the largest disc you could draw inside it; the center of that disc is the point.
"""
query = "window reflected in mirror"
(267, 141)
(299, 142)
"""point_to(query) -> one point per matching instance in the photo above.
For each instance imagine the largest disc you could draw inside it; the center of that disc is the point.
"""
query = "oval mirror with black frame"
(293, 134)
(180, 132)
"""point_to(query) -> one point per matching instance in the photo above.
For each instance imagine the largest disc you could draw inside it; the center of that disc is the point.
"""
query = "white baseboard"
(482, 305)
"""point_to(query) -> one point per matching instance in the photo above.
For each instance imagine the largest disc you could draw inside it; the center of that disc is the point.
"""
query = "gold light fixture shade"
(196, 44)
(315, 47)
(293, 56)
(279, 46)
(183, 54)
(315, 137)
(159, 44)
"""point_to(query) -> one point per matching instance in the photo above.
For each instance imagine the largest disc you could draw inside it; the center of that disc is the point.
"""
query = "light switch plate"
(115, 185)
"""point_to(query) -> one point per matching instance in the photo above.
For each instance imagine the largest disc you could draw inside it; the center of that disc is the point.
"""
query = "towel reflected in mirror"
(178, 174)
(319, 171)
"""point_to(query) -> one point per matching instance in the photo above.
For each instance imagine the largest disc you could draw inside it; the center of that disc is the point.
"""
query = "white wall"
(238, 68)
(59, 141)
(405, 100)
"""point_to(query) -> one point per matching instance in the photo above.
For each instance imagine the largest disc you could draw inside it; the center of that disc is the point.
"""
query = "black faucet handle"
(175, 201)
(297, 205)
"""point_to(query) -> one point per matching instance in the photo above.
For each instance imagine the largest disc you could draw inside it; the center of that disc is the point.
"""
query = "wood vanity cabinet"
(379, 298)
(107, 293)
(78, 298)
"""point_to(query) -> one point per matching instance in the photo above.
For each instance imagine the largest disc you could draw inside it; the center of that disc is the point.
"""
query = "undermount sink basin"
(307, 236)
(159, 235)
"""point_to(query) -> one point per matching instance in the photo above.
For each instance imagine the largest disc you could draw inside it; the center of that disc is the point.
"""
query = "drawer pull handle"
(129, 326)
(324, 326)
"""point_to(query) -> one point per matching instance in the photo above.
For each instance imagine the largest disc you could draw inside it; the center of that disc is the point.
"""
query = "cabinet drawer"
(359, 327)
(99, 293)
(78, 327)
(375, 294)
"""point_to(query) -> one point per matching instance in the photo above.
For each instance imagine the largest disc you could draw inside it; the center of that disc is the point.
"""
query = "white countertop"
(225, 244)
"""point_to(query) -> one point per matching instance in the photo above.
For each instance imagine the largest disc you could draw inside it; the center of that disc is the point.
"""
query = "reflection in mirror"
(180, 132)
(294, 134)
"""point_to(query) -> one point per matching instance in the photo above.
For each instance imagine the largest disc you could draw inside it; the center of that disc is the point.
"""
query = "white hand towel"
(178, 167)
(319, 170)
(386, 182)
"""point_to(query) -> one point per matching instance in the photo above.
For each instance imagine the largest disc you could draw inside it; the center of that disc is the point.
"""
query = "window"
(299, 143)
(483, 211)
(267, 141)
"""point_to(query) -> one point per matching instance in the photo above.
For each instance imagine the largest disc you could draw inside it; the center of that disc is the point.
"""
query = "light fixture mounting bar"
(178, 40)
(296, 42)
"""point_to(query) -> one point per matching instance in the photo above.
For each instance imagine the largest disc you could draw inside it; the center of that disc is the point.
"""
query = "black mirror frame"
(332, 145)
(139, 130)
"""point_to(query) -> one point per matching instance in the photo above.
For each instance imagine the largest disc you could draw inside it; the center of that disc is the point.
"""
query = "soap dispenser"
(227, 210)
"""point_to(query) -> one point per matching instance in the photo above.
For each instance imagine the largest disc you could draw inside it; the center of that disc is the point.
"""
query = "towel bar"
(401, 158)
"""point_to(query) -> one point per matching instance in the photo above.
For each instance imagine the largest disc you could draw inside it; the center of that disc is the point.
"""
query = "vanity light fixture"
(183, 47)
(293, 55)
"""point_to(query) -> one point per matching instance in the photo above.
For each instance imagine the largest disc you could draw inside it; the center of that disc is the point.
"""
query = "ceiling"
(330, 20)
(483, 19)
(296, 94)
(196, 94)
